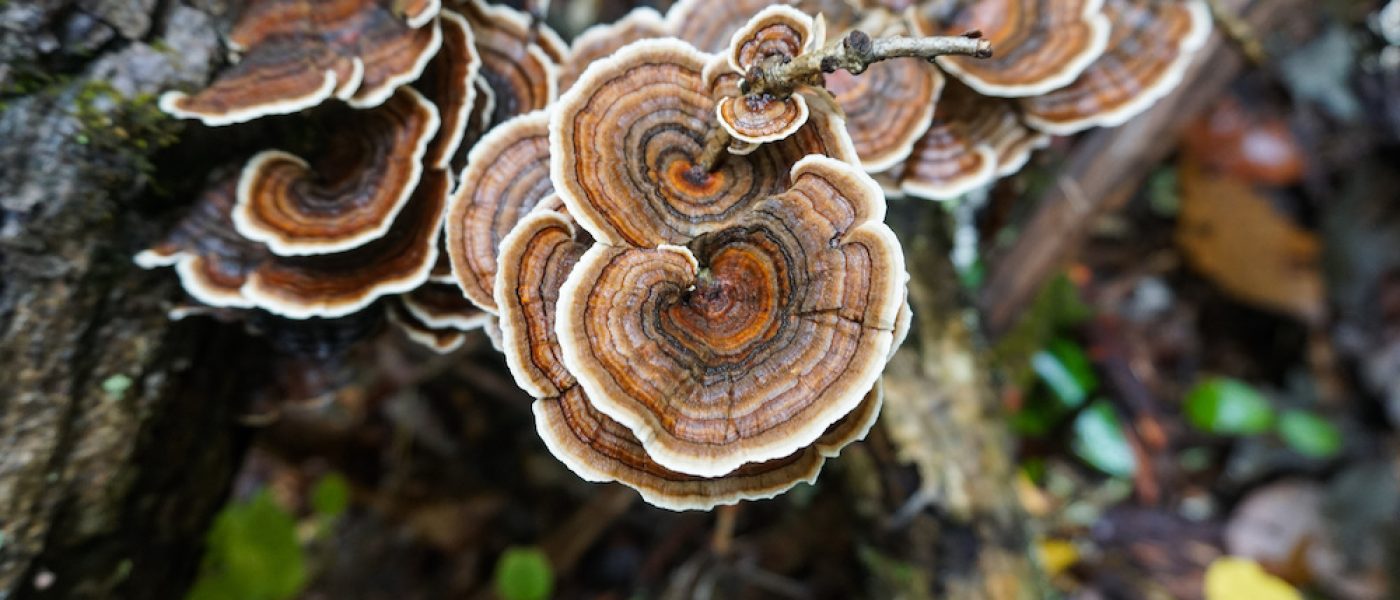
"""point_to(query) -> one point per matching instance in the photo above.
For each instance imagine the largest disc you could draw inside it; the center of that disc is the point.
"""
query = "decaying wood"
(1107, 167)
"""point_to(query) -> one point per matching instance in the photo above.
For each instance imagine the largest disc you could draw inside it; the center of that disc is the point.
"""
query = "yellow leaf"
(1231, 578)
(1057, 555)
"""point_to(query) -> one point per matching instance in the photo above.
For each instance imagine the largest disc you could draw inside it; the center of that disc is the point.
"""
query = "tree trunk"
(116, 436)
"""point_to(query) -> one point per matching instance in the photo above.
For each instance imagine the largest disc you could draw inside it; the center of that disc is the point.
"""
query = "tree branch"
(855, 53)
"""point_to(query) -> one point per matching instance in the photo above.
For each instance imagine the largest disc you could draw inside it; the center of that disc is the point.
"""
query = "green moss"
(128, 128)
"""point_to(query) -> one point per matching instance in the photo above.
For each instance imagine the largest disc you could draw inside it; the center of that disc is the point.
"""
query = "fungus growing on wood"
(219, 267)
(349, 194)
(680, 344)
(448, 82)
(602, 40)
(299, 53)
(536, 257)
(777, 33)
(507, 175)
(1149, 48)
(626, 144)
(518, 58)
(973, 141)
(1041, 45)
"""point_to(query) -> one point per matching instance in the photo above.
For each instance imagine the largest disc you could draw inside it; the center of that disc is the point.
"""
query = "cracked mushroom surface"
(1041, 45)
(1150, 46)
(536, 257)
(507, 175)
(748, 342)
(297, 54)
(350, 193)
(625, 143)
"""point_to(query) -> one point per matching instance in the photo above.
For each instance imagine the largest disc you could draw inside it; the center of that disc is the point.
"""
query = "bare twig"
(855, 52)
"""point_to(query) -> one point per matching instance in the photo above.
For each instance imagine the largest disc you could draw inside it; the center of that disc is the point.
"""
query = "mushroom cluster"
(691, 276)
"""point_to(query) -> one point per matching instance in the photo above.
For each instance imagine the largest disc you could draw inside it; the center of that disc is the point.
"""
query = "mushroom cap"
(210, 258)
(442, 306)
(333, 285)
(514, 58)
(448, 82)
(762, 119)
(973, 140)
(888, 107)
(777, 30)
(1149, 49)
(625, 139)
(710, 25)
(507, 174)
(603, 39)
(749, 343)
(348, 196)
(536, 257)
(442, 340)
(1041, 45)
(299, 54)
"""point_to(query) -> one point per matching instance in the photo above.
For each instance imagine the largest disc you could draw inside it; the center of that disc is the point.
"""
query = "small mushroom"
(448, 82)
(751, 340)
(1041, 45)
(442, 306)
(710, 25)
(887, 107)
(776, 33)
(517, 58)
(219, 267)
(347, 196)
(603, 39)
(507, 174)
(536, 257)
(973, 141)
(442, 340)
(1148, 52)
(299, 53)
(626, 141)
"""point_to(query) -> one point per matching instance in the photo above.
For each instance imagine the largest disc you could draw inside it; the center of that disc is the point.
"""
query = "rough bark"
(117, 437)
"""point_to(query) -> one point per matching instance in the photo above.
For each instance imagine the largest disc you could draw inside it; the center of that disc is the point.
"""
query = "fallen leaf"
(1230, 578)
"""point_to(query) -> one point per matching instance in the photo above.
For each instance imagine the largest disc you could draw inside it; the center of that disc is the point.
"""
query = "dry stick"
(780, 76)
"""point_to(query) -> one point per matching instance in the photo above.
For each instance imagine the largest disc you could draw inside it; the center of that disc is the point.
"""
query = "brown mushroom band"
(1149, 48)
(625, 141)
(1040, 44)
(536, 257)
(602, 40)
(517, 68)
(447, 82)
(347, 196)
(887, 107)
(507, 175)
(973, 140)
(748, 343)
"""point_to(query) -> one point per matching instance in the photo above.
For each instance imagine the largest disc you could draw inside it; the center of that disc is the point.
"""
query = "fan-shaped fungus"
(603, 39)
(507, 175)
(350, 194)
(536, 257)
(710, 25)
(514, 58)
(973, 141)
(775, 33)
(750, 341)
(1040, 45)
(626, 140)
(442, 306)
(298, 53)
(438, 339)
(1148, 51)
(448, 82)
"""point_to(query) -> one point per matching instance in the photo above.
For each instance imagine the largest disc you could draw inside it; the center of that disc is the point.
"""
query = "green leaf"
(1309, 434)
(1066, 370)
(1228, 407)
(524, 574)
(253, 554)
(1099, 441)
(331, 495)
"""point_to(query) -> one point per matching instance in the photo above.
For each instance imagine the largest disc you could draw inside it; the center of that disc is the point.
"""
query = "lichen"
(130, 128)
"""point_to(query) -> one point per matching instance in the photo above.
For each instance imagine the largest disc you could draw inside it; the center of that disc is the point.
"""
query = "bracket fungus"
(449, 84)
(776, 33)
(536, 257)
(518, 57)
(1149, 48)
(1041, 45)
(601, 40)
(507, 174)
(626, 143)
(681, 344)
(710, 26)
(297, 54)
(347, 196)
(973, 141)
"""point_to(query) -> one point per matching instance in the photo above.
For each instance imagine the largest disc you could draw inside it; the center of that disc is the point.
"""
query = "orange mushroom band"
(776, 32)
(1041, 45)
(626, 140)
(300, 53)
(351, 193)
(507, 174)
(536, 257)
(748, 342)
(219, 267)
(1149, 49)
